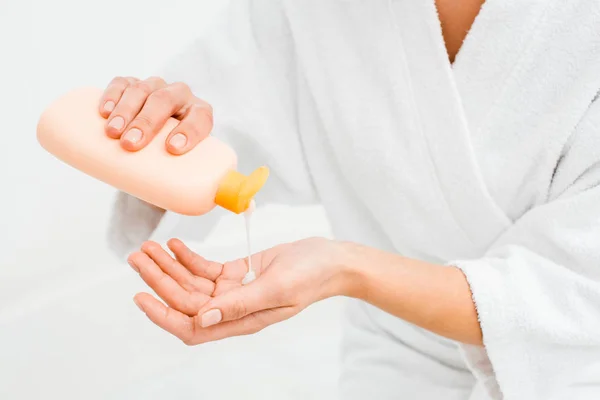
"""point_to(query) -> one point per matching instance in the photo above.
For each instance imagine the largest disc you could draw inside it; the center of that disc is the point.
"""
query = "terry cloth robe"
(490, 165)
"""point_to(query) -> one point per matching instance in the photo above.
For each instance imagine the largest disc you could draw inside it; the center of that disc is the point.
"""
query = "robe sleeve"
(537, 289)
(244, 66)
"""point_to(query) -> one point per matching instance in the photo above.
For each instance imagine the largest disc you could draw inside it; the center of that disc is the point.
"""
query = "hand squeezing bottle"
(72, 129)
(194, 183)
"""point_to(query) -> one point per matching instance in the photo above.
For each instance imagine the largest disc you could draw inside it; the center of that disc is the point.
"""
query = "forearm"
(434, 297)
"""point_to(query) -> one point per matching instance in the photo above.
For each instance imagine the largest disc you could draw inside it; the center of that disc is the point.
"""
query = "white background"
(68, 328)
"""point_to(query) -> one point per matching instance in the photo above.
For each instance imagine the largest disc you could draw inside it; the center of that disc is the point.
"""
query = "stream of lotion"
(250, 275)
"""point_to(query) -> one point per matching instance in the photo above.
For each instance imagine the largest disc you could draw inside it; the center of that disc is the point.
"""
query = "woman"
(460, 178)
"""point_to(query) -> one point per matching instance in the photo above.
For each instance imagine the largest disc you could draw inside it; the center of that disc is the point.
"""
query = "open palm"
(206, 300)
(186, 283)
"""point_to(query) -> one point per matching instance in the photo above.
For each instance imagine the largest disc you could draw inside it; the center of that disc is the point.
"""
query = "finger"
(164, 102)
(129, 105)
(195, 126)
(167, 318)
(247, 325)
(112, 94)
(177, 271)
(224, 286)
(196, 264)
(257, 296)
(165, 287)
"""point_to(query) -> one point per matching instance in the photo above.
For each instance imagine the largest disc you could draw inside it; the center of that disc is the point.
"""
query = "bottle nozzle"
(236, 190)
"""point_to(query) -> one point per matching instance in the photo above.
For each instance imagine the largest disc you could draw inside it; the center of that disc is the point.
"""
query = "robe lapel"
(500, 36)
(526, 75)
(390, 109)
(443, 121)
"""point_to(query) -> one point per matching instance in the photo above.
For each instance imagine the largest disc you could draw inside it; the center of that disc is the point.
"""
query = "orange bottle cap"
(236, 190)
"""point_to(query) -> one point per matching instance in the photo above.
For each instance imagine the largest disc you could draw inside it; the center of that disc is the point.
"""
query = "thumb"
(238, 303)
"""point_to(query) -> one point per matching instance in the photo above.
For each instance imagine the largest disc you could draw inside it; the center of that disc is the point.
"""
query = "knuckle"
(143, 87)
(201, 109)
(125, 110)
(180, 87)
(206, 105)
(157, 80)
(201, 112)
(117, 85)
(119, 80)
(144, 121)
(313, 240)
(163, 96)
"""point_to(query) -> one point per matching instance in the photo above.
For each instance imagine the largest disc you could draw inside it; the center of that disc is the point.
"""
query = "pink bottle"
(72, 129)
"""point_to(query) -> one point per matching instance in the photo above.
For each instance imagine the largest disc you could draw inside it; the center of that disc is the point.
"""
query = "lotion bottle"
(194, 183)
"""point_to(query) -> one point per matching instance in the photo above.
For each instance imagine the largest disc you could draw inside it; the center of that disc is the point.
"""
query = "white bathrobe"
(491, 165)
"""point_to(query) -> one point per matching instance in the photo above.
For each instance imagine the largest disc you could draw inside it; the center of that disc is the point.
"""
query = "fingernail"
(117, 123)
(133, 135)
(138, 304)
(178, 140)
(211, 318)
(132, 265)
(109, 106)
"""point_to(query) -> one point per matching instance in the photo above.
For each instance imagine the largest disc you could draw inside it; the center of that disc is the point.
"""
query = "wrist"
(350, 270)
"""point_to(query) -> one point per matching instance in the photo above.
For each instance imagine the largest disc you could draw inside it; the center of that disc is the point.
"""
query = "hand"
(136, 110)
(206, 301)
